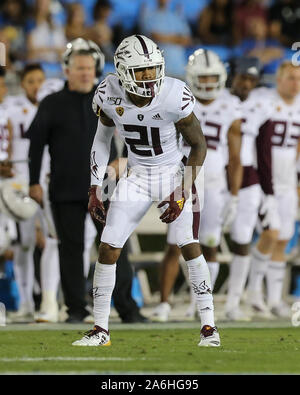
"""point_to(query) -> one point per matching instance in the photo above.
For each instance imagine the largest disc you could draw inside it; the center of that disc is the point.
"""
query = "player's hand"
(175, 202)
(96, 206)
(6, 170)
(36, 193)
(266, 211)
(229, 212)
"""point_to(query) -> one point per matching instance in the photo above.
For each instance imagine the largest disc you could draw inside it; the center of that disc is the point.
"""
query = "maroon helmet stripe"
(143, 44)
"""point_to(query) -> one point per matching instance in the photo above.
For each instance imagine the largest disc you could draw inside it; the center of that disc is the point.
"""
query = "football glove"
(176, 202)
(96, 206)
(229, 212)
(266, 211)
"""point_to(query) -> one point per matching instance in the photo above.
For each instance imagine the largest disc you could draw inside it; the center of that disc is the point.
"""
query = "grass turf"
(254, 350)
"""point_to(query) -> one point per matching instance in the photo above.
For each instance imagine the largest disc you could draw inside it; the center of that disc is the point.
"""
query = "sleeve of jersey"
(99, 97)
(264, 157)
(100, 153)
(186, 104)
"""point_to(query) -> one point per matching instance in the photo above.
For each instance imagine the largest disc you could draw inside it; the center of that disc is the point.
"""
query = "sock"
(50, 274)
(275, 280)
(258, 269)
(90, 234)
(238, 272)
(201, 284)
(214, 271)
(24, 275)
(103, 286)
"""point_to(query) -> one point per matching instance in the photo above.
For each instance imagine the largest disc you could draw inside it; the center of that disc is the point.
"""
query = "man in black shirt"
(66, 123)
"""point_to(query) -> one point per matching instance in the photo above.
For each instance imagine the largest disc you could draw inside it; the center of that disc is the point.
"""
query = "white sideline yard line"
(64, 359)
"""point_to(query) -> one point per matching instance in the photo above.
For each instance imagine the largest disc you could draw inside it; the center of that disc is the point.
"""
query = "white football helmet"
(205, 63)
(137, 52)
(14, 200)
(88, 46)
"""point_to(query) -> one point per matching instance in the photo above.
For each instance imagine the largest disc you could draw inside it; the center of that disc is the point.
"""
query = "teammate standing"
(256, 195)
(268, 258)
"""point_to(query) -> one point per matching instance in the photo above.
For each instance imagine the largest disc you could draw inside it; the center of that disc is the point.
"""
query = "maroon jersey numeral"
(143, 140)
(212, 141)
(279, 132)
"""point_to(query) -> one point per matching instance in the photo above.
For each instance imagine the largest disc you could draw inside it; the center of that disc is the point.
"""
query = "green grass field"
(244, 350)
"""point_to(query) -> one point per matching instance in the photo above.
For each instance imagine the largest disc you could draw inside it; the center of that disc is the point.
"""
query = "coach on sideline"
(65, 121)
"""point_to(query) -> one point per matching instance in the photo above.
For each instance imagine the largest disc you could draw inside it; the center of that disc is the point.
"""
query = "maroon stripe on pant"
(196, 213)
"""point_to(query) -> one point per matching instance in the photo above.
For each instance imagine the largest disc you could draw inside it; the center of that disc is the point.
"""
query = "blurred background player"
(220, 117)
(21, 112)
(256, 193)
(268, 256)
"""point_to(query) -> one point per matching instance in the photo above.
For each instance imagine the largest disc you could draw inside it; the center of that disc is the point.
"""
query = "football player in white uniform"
(256, 194)
(220, 117)
(151, 113)
(268, 258)
(21, 111)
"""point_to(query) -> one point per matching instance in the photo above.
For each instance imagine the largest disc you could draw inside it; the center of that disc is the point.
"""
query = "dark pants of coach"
(69, 222)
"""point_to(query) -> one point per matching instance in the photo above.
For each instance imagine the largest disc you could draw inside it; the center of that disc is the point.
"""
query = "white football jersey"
(286, 133)
(148, 132)
(256, 110)
(216, 119)
(21, 113)
(4, 135)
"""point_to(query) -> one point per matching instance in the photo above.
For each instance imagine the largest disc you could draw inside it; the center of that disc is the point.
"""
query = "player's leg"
(90, 234)
(169, 269)
(24, 268)
(187, 235)
(287, 208)
(275, 280)
(211, 228)
(50, 272)
(241, 236)
(123, 216)
(50, 278)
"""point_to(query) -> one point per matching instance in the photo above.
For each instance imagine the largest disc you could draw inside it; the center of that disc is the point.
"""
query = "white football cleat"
(236, 314)
(24, 314)
(261, 310)
(95, 337)
(161, 312)
(209, 337)
(282, 310)
(48, 313)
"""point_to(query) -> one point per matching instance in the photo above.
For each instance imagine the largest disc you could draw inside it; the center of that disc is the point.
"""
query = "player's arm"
(192, 134)
(99, 158)
(235, 169)
(235, 173)
(190, 129)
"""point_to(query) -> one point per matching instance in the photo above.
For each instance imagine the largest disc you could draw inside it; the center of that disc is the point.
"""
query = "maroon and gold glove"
(176, 203)
(96, 206)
